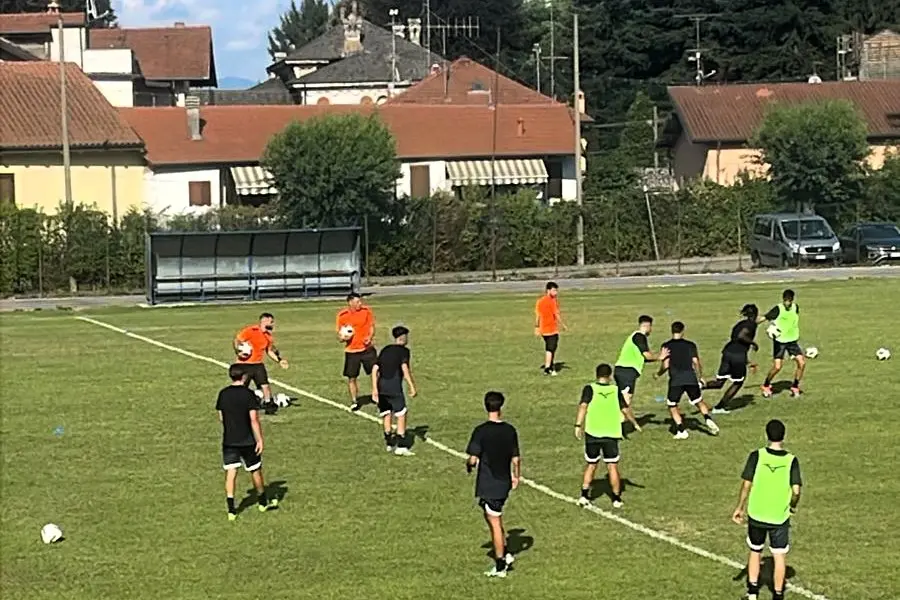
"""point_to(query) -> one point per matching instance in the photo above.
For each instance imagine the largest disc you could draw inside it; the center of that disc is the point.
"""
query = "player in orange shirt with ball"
(356, 330)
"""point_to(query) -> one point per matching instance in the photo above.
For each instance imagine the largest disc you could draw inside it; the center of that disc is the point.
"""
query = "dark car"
(871, 242)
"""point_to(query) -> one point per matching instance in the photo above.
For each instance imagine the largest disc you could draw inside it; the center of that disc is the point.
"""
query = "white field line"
(652, 533)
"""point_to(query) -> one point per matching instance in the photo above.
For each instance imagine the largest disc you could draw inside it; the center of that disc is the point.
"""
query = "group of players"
(493, 449)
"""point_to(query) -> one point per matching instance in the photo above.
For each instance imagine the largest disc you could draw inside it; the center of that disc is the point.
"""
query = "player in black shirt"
(390, 371)
(494, 449)
(242, 440)
(735, 357)
(685, 377)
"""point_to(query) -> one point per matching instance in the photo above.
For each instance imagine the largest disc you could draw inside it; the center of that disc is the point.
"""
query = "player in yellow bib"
(599, 422)
(786, 318)
(769, 495)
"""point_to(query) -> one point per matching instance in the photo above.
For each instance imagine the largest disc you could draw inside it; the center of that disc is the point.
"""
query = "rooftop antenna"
(814, 78)
(466, 26)
(553, 57)
(396, 30)
(93, 14)
(695, 54)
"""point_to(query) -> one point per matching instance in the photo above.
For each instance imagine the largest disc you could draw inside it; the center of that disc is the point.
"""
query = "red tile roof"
(239, 134)
(468, 82)
(36, 22)
(733, 113)
(30, 92)
(164, 53)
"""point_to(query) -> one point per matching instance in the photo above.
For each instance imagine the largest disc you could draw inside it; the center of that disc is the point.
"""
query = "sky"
(239, 28)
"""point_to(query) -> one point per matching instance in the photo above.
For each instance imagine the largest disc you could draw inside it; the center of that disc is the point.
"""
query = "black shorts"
(256, 373)
(551, 342)
(492, 506)
(779, 536)
(604, 448)
(673, 396)
(779, 349)
(391, 404)
(234, 456)
(626, 380)
(354, 360)
(733, 367)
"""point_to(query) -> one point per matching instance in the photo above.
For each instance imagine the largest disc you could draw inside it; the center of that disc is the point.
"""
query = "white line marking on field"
(653, 533)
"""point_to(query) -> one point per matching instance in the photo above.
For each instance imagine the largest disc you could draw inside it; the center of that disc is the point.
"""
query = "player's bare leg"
(548, 360)
(402, 449)
(773, 373)
(615, 483)
(353, 388)
(498, 540)
(753, 568)
(389, 442)
(780, 572)
(260, 484)
(680, 432)
(706, 412)
(629, 413)
(798, 374)
(230, 484)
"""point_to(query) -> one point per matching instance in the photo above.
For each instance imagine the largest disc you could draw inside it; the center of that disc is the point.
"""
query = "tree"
(637, 142)
(299, 26)
(333, 170)
(815, 153)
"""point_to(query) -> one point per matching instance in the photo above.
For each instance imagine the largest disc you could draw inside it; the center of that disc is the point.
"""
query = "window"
(763, 227)
(419, 181)
(200, 193)
(7, 188)
(554, 179)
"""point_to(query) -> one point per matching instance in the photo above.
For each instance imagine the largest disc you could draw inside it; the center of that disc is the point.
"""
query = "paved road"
(599, 283)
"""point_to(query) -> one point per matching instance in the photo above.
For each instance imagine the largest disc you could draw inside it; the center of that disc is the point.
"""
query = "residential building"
(107, 156)
(355, 62)
(132, 67)
(712, 126)
(209, 156)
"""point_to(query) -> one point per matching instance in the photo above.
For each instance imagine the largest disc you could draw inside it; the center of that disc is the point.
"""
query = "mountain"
(235, 83)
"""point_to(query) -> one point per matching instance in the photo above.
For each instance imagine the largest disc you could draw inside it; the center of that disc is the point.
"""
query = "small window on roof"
(477, 86)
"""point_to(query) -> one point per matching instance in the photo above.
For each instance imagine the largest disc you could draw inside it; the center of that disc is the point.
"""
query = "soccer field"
(116, 440)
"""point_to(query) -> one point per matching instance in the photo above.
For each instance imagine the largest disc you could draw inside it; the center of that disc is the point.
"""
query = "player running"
(786, 317)
(735, 358)
(547, 321)
(390, 371)
(360, 350)
(770, 492)
(600, 423)
(634, 353)
(242, 440)
(494, 449)
(685, 377)
(259, 339)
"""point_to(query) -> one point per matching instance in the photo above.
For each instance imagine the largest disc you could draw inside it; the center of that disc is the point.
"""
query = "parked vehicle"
(871, 242)
(783, 239)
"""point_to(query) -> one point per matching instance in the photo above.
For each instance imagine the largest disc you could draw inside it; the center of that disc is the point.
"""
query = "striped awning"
(506, 172)
(252, 181)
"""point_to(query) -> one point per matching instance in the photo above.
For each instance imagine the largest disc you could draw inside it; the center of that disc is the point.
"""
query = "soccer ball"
(51, 533)
(772, 331)
(346, 333)
(259, 394)
(282, 400)
(883, 354)
(812, 352)
(245, 349)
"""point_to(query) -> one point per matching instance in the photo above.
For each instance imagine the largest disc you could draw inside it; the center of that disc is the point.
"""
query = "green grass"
(135, 478)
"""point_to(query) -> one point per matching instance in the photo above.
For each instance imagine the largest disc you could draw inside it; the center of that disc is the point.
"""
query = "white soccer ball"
(245, 349)
(772, 331)
(346, 332)
(883, 354)
(812, 352)
(259, 394)
(51, 533)
(282, 400)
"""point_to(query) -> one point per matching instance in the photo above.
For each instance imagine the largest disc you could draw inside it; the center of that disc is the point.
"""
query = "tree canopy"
(298, 26)
(331, 171)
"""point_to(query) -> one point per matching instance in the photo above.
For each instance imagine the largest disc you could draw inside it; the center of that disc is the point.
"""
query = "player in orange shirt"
(547, 321)
(262, 344)
(360, 349)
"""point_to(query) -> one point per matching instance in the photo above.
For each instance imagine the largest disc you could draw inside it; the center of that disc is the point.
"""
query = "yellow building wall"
(40, 182)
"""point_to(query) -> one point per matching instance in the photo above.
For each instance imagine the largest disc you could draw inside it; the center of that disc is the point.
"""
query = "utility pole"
(394, 32)
(655, 125)
(495, 97)
(695, 54)
(53, 7)
(536, 49)
(579, 226)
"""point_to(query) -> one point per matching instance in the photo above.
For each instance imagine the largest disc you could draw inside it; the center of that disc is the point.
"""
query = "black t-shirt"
(753, 460)
(737, 346)
(640, 340)
(682, 353)
(235, 402)
(495, 443)
(390, 371)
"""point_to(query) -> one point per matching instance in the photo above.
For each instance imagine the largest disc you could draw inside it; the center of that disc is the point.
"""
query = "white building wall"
(437, 176)
(75, 45)
(568, 179)
(351, 95)
(116, 92)
(167, 190)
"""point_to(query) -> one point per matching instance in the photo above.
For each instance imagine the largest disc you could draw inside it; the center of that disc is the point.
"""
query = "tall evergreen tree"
(299, 26)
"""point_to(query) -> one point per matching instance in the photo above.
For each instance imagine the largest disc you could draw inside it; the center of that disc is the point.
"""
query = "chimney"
(53, 7)
(352, 23)
(415, 31)
(579, 102)
(192, 104)
(520, 127)
(179, 24)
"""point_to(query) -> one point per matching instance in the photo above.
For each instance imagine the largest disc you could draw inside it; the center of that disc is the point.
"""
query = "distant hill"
(235, 83)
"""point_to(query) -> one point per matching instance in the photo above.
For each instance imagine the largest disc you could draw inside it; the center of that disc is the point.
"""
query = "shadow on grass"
(600, 487)
(516, 543)
(274, 489)
(766, 574)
